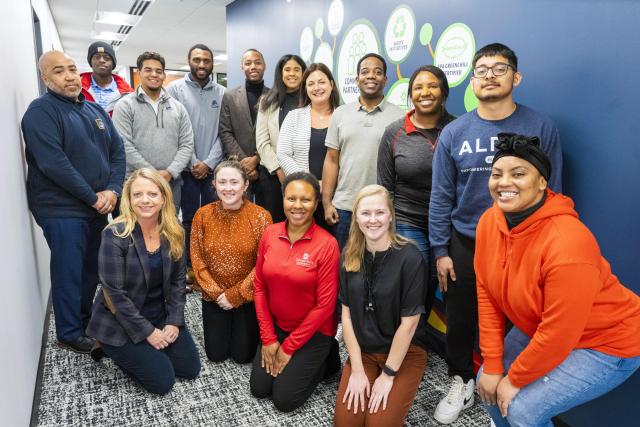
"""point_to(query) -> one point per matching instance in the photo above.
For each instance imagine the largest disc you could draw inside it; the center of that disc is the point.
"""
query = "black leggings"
(461, 308)
(230, 333)
(268, 191)
(316, 360)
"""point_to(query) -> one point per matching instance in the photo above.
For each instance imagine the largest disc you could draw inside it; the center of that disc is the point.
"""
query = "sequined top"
(224, 246)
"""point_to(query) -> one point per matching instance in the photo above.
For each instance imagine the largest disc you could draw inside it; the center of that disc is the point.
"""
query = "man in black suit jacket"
(238, 117)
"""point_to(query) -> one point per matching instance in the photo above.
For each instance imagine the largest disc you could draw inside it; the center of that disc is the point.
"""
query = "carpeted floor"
(76, 391)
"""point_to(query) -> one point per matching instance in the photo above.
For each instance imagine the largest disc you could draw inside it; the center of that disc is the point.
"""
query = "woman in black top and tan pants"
(382, 291)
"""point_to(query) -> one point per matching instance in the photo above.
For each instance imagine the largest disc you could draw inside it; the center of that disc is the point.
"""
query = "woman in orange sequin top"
(224, 244)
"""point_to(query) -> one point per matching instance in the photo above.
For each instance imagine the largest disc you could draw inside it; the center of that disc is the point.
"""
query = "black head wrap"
(524, 147)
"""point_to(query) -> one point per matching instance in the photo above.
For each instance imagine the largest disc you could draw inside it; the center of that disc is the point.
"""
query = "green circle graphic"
(399, 28)
(319, 28)
(472, 48)
(407, 106)
(470, 100)
(360, 21)
(426, 33)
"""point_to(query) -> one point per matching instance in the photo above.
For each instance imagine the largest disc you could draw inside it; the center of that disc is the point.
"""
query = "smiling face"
(102, 64)
(515, 184)
(151, 75)
(230, 187)
(200, 64)
(253, 66)
(491, 88)
(373, 215)
(60, 74)
(291, 75)
(319, 87)
(426, 94)
(371, 78)
(146, 199)
(300, 203)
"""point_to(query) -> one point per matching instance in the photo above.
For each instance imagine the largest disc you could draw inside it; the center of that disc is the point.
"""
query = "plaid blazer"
(123, 267)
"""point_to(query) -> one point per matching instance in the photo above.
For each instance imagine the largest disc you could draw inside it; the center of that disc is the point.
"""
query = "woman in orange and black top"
(224, 246)
(576, 328)
(296, 285)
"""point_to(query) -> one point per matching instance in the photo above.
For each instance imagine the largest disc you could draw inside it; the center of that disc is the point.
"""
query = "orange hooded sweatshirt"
(548, 277)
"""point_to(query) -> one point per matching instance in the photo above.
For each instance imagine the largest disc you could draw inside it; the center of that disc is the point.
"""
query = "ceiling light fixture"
(221, 57)
(108, 36)
(117, 18)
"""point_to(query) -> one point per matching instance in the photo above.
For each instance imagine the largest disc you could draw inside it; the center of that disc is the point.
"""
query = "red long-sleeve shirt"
(296, 285)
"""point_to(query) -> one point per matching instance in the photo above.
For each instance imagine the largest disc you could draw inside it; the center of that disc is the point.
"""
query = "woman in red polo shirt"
(295, 290)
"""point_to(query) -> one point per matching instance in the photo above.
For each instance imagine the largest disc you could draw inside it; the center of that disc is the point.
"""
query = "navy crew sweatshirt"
(462, 166)
(73, 151)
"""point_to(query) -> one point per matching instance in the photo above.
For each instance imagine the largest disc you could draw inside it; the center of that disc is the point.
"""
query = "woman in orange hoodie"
(576, 328)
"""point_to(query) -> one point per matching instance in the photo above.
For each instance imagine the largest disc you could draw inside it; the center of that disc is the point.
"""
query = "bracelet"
(387, 370)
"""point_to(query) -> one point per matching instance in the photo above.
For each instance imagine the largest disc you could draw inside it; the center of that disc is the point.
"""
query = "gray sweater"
(162, 141)
(203, 106)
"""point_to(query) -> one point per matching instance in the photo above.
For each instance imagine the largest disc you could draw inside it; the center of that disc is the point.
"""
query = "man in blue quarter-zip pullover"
(155, 128)
(76, 169)
(459, 195)
(202, 97)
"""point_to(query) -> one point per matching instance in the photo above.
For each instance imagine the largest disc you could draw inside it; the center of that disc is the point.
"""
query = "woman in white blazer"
(303, 132)
(273, 108)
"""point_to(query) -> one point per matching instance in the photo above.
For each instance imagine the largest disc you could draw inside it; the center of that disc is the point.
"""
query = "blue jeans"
(341, 229)
(421, 239)
(195, 193)
(156, 370)
(74, 244)
(584, 375)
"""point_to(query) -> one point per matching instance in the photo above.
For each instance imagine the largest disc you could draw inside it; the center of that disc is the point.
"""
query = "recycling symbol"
(399, 27)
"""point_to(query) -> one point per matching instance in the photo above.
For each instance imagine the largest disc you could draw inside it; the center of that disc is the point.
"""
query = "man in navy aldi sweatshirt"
(76, 169)
(459, 195)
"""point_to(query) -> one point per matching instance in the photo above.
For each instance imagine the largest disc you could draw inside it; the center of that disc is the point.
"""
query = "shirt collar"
(141, 93)
(193, 83)
(381, 106)
(410, 127)
(307, 234)
(81, 97)
(112, 87)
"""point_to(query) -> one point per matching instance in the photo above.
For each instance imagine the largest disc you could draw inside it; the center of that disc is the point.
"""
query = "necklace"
(321, 116)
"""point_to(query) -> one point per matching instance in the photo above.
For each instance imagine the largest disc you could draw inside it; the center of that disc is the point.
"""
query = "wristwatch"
(387, 370)
(116, 193)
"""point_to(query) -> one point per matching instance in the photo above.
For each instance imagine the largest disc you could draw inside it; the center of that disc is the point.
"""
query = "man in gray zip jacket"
(202, 97)
(154, 127)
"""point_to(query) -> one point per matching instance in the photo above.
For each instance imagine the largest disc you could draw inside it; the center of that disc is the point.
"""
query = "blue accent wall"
(581, 65)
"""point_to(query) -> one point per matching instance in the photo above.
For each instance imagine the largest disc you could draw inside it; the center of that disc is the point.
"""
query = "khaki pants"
(405, 386)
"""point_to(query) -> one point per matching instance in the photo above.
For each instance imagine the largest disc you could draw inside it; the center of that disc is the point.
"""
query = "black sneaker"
(81, 344)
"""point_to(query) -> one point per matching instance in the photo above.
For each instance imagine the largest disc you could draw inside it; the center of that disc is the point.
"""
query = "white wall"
(49, 32)
(24, 256)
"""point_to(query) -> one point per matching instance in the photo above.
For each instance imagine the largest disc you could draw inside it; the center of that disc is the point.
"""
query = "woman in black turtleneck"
(273, 108)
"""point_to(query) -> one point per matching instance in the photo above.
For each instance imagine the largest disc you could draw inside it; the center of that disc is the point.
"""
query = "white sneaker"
(460, 397)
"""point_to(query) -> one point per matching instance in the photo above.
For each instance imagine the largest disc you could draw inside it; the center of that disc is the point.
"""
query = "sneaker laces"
(455, 392)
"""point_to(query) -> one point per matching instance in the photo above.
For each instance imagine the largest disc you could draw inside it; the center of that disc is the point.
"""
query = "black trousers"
(268, 192)
(316, 360)
(461, 308)
(230, 333)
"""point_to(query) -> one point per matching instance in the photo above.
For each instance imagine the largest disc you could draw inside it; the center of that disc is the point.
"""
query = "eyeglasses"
(498, 69)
